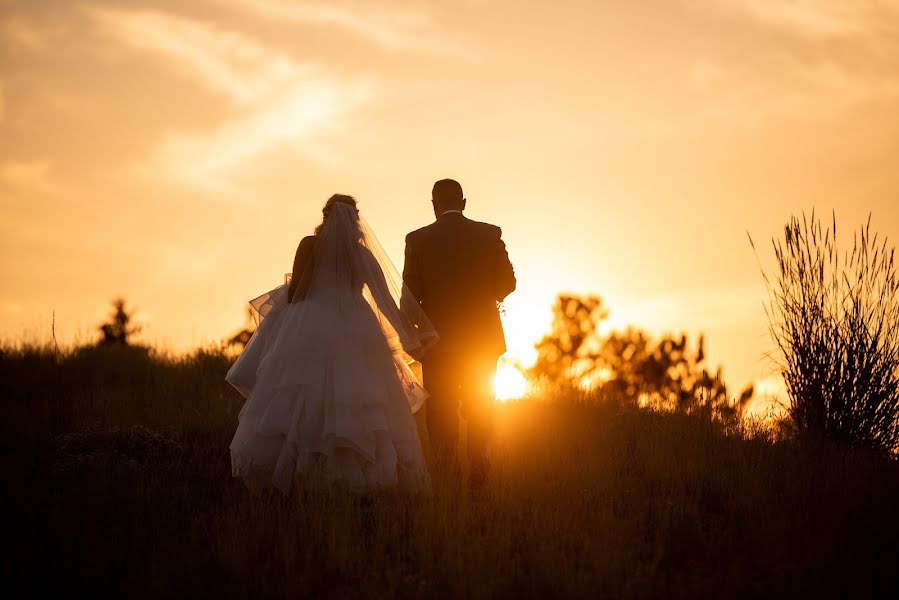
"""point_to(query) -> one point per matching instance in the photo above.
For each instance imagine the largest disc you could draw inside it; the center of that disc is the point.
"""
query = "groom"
(459, 270)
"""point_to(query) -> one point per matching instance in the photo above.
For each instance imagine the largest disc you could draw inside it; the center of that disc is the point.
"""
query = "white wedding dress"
(329, 392)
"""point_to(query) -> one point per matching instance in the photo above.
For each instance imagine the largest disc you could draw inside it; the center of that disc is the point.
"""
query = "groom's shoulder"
(485, 229)
(422, 232)
(412, 236)
(473, 227)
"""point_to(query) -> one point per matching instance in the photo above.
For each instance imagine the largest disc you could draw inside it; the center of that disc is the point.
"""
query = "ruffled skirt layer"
(327, 402)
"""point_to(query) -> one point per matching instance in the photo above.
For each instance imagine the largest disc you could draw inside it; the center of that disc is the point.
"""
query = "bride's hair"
(326, 210)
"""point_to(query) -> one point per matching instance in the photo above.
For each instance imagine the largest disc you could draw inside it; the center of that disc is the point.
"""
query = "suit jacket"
(458, 269)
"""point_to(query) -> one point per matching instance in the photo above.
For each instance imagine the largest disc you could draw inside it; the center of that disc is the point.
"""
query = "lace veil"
(348, 270)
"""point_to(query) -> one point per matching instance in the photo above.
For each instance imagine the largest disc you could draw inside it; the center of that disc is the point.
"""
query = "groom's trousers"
(460, 384)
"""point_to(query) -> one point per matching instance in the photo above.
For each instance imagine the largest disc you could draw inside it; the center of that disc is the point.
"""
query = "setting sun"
(509, 384)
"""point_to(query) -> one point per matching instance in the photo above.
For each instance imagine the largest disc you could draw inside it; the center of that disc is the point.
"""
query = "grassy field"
(117, 481)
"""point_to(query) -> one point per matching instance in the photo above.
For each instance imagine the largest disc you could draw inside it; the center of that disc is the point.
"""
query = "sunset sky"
(174, 153)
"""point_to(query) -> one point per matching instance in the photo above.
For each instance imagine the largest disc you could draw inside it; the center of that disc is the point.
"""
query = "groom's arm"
(503, 272)
(410, 300)
(411, 273)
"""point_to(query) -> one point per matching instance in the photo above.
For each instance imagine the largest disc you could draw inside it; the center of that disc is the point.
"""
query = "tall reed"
(834, 318)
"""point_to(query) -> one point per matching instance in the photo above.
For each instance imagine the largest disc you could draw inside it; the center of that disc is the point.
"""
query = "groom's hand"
(424, 345)
(414, 351)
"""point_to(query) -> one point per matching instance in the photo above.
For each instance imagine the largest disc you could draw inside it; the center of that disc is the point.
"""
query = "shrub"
(834, 318)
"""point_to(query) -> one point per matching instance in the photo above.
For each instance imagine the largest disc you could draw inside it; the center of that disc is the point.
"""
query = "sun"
(509, 384)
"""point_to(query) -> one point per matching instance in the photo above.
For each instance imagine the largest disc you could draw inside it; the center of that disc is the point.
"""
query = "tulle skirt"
(328, 403)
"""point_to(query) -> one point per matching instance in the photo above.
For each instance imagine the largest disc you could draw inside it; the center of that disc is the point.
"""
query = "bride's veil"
(350, 267)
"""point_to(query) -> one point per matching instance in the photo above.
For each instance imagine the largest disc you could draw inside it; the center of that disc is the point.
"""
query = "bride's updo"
(329, 205)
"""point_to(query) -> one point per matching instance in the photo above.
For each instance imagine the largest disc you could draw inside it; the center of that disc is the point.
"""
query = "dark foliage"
(834, 317)
(120, 328)
(663, 372)
(129, 493)
(242, 337)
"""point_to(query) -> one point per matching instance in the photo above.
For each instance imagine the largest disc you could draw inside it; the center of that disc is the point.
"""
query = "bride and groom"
(328, 380)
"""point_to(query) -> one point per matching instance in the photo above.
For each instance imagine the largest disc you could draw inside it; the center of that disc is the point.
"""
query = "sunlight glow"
(509, 384)
(244, 116)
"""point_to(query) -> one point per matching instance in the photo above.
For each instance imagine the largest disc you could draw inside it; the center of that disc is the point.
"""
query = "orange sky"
(176, 152)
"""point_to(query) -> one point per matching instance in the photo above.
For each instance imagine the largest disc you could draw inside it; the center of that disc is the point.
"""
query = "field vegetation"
(118, 481)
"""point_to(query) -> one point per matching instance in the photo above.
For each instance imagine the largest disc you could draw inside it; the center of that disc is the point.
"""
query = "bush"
(834, 317)
(630, 365)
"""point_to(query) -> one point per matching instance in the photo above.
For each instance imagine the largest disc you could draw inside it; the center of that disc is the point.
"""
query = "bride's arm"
(386, 302)
(302, 261)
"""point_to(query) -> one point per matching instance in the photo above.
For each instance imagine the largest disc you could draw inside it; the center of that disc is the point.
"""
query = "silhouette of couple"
(330, 392)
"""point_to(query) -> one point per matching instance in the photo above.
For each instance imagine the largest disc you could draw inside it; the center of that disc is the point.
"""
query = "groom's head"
(447, 195)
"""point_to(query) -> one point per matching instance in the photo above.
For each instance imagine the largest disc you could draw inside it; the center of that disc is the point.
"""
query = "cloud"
(276, 98)
(293, 117)
(20, 35)
(31, 176)
(391, 29)
(792, 90)
(818, 18)
(226, 62)
(772, 61)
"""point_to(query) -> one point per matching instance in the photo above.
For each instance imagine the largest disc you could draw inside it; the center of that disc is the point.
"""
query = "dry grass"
(118, 481)
(834, 317)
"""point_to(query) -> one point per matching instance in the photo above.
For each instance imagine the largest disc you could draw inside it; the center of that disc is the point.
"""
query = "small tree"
(834, 317)
(629, 365)
(666, 373)
(241, 338)
(571, 350)
(120, 328)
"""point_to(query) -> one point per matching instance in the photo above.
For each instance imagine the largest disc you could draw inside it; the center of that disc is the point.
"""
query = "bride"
(329, 392)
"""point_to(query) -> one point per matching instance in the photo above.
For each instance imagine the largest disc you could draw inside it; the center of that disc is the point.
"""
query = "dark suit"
(458, 269)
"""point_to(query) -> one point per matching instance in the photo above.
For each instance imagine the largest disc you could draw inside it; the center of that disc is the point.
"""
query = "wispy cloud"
(292, 118)
(820, 18)
(811, 60)
(18, 34)
(793, 90)
(227, 62)
(397, 29)
(29, 176)
(276, 98)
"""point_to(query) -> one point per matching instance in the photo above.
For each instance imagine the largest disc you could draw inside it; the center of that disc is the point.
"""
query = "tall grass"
(834, 317)
(117, 481)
